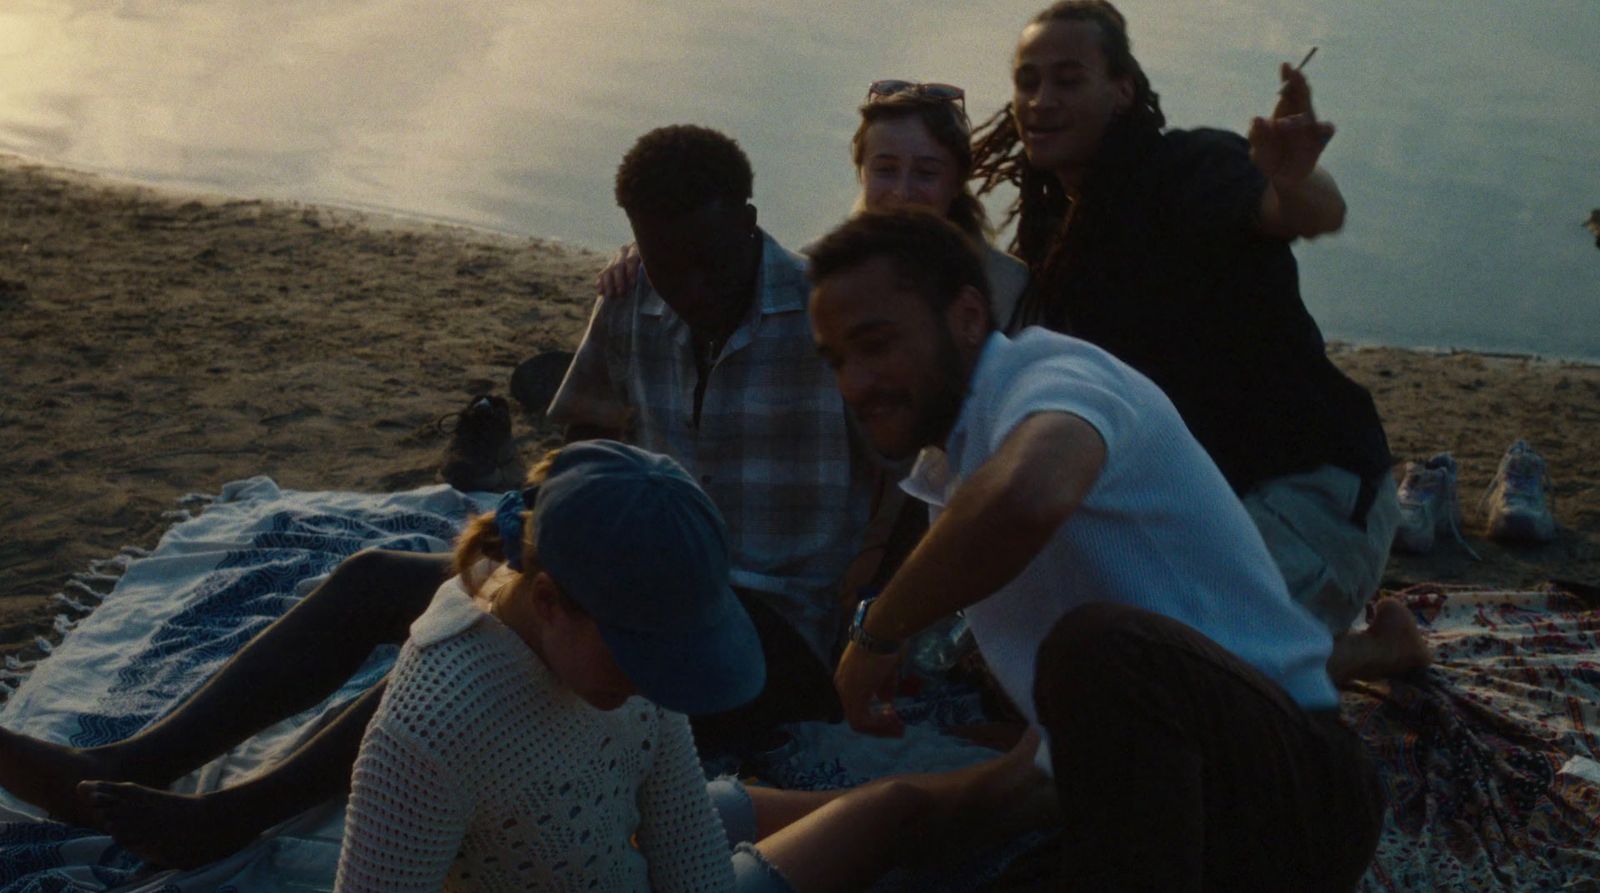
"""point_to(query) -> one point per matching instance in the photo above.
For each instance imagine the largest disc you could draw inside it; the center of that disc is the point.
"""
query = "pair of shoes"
(1429, 506)
(481, 456)
(1514, 507)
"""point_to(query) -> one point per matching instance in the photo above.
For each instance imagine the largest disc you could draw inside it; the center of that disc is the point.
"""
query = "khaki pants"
(1331, 564)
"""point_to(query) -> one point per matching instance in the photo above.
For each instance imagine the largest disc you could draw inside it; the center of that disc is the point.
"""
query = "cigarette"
(1306, 59)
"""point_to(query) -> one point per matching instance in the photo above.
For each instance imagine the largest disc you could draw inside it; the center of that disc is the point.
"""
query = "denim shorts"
(751, 871)
(1331, 564)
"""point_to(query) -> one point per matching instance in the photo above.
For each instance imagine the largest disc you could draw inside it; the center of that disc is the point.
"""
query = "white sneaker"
(1427, 502)
(1514, 506)
(1428, 505)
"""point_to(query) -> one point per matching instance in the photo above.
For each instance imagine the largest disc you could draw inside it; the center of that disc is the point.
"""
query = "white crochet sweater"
(481, 771)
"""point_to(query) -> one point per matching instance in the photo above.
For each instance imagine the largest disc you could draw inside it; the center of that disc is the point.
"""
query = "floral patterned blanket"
(1491, 757)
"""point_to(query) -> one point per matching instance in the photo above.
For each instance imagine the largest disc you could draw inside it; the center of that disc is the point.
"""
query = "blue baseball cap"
(630, 537)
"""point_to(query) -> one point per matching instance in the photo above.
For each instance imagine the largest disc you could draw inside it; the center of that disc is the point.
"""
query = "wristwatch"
(860, 636)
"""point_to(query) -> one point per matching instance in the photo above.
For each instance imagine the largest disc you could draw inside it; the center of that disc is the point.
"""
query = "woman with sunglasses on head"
(912, 149)
(532, 735)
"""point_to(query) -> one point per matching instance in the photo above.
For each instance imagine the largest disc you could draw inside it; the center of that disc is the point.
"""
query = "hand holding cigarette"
(1287, 146)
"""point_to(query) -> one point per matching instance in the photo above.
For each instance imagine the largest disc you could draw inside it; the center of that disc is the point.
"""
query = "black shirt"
(1162, 264)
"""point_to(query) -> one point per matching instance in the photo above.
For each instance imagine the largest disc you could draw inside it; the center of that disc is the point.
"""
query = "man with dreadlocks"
(1170, 249)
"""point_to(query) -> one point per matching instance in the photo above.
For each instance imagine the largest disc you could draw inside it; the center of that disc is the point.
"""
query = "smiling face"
(1064, 97)
(901, 368)
(902, 165)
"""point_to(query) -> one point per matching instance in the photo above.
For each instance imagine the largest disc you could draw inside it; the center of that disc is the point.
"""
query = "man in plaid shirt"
(709, 359)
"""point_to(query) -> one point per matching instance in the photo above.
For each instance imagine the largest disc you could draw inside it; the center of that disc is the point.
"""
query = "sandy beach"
(155, 344)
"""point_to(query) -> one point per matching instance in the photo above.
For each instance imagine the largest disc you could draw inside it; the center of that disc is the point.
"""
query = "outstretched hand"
(1287, 146)
(861, 677)
(620, 274)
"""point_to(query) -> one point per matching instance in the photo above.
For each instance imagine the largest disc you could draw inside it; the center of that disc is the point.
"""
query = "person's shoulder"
(1008, 276)
(1056, 363)
(1039, 348)
(1185, 152)
(785, 276)
(998, 263)
(452, 611)
(1203, 140)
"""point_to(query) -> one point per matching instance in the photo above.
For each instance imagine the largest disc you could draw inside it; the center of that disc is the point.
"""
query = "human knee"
(1086, 654)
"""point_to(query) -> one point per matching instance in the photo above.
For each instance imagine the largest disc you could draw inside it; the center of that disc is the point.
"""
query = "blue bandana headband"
(508, 518)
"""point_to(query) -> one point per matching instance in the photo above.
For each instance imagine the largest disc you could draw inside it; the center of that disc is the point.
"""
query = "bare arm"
(995, 524)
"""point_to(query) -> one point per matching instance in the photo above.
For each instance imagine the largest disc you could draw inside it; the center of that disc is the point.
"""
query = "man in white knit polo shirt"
(1114, 583)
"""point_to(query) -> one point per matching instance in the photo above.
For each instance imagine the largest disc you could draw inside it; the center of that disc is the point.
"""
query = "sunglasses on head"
(948, 92)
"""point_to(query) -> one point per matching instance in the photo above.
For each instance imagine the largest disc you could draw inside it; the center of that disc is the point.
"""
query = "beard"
(936, 403)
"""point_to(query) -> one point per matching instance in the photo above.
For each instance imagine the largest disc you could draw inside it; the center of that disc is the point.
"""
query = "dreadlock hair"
(1041, 205)
(947, 123)
(930, 255)
(678, 169)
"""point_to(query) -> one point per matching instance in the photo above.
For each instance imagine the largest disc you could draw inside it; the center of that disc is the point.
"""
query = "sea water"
(1468, 144)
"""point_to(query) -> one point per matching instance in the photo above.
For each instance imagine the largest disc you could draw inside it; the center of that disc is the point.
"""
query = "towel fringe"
(83, 588)
(61, 598)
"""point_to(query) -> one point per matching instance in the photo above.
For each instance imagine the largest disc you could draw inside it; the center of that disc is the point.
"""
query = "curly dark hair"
(677, 169)
(930, 254)
(998, 156)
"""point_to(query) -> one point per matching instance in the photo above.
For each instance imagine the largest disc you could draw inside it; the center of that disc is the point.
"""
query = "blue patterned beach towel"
(171, 620)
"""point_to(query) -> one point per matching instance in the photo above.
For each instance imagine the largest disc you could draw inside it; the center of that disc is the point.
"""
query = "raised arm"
(1301, 199)
(994, 525)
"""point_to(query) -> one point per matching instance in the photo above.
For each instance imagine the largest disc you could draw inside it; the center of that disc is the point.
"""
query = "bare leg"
(369, 600)
(1390, 645)
(185, 831)
(844, 840)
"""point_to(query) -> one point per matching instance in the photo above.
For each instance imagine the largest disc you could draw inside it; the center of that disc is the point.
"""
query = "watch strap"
(858, 634)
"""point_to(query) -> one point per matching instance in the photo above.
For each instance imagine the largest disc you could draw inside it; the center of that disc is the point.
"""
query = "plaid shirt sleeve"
(588, 396)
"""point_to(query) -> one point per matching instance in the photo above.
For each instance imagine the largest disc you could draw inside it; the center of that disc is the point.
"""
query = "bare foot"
(45, 774)
(1390, 645)
(1395, 626)
(167, 829)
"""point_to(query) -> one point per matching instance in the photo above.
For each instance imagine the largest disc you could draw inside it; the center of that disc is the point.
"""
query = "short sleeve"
(1215, 188)
(405, 819)
(679, 832)
(1055, 386)
(587, 395)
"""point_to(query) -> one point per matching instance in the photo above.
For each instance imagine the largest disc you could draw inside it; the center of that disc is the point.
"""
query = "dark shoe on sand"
(536, 379)
(481, 456)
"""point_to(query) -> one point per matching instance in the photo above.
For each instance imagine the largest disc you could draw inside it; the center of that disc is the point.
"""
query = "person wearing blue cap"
(532, 735)
(722, 378)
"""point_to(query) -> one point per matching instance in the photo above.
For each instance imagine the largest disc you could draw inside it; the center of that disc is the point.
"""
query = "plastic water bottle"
(936, 649)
